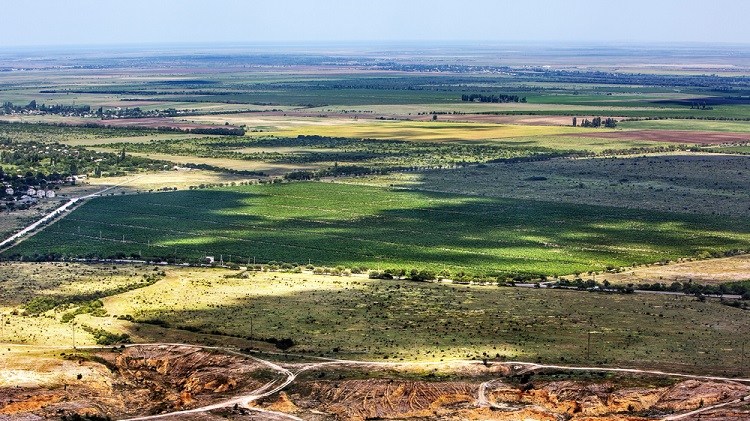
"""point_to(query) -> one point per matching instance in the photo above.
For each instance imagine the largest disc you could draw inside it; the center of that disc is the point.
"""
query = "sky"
(137, 22)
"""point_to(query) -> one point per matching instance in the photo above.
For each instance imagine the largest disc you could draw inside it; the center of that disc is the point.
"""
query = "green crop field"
(334, 224)
(699, 125)
(741, 149)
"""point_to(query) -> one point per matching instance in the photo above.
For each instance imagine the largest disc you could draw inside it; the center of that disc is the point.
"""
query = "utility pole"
(742, 359)
(588, 343)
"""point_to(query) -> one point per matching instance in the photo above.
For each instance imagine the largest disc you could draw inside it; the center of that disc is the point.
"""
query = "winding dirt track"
(520, 367)
(243, 401)
(701, 410)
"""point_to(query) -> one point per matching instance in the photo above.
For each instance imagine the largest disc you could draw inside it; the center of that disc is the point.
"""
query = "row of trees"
(596, 122)
(499, 98)
(689, 287)
(9, 108)
(700, 106)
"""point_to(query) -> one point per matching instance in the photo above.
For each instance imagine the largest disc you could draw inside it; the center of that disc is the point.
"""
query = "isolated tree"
(574, 121)
(434, 116)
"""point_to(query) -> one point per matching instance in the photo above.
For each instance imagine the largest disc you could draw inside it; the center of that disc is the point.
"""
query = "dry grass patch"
(356, 317)
(711, 271)
(181, 179)
(268, 168)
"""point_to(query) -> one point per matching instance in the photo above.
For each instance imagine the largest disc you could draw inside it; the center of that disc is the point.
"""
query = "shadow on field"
(387, 320)
(333, 224)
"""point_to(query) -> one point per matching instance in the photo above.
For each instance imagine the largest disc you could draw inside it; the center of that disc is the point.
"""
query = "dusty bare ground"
(358, 400)
(143, 380)
(726, 269)
(126, 382)
(674, 136)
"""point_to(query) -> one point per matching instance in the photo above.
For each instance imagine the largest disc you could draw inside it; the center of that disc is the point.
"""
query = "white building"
(9, 191)
(50, 193)
(31, 191)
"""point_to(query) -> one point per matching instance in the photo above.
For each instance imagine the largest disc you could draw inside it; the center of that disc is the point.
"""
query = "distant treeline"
(499, 98)
(9, 107)
(336, 171)
(221, 130)
(535, 74)
(214, 168)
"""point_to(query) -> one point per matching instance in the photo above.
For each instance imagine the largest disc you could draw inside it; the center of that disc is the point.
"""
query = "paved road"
(70, 203)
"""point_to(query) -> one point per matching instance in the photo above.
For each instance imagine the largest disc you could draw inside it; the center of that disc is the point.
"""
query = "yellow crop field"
(428, 131)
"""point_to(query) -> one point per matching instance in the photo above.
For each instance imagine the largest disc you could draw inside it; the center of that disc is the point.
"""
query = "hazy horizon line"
(377, 43)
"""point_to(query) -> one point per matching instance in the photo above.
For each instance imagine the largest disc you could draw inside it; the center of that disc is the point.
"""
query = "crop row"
(331, 224)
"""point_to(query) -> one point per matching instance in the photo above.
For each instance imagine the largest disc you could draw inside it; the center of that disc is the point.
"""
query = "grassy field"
(395, 130)
(356, 317)
(742, 149)
(709, 184)
(390, 320)
(94, 140)
(180, 179)
(270, 168)
(66, 284)
(698, 125)
(709, 271)
(444, 207)
(70, 135)
(334, 224)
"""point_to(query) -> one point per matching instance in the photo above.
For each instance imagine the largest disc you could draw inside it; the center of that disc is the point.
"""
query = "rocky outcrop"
(157, 379)
(30, 404)
(357, 400)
